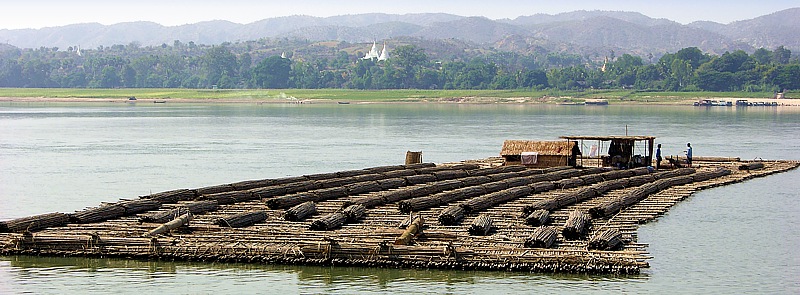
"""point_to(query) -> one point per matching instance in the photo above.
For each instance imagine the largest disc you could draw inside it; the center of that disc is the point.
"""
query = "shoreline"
(442, 100)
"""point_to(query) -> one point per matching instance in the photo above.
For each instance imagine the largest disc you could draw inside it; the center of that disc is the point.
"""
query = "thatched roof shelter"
(553, 148)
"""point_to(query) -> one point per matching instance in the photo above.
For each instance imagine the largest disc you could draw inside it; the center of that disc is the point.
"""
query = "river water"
(62, 157)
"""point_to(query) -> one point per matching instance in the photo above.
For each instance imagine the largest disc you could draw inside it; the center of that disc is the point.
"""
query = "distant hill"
(580, 32)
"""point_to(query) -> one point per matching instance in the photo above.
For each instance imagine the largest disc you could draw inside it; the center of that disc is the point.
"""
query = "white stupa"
(373, 52)
(384, 54)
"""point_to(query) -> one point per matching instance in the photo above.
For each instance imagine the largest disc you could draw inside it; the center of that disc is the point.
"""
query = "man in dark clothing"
(658, 157)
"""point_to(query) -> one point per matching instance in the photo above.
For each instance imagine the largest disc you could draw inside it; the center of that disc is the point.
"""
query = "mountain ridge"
(583, 31)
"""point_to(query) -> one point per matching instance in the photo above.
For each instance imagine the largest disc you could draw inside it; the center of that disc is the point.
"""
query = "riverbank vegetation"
(391, 95)
(257, 65)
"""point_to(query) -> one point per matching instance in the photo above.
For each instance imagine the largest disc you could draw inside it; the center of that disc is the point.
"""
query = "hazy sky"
(48, 13)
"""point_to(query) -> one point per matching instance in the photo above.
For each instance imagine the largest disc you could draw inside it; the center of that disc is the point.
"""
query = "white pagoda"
(373, 52)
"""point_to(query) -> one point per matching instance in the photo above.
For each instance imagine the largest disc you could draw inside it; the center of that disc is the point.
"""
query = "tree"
(219, 61)
(272, 72)
(109, 78)
(782, 55)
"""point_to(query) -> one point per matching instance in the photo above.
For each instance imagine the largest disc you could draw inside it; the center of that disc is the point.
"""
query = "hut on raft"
(614, 151)
(540, 154)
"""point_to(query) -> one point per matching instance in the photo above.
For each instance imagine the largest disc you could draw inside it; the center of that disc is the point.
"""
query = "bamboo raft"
(468, 215)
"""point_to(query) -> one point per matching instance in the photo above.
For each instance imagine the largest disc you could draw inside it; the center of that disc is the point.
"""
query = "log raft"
(356, 213)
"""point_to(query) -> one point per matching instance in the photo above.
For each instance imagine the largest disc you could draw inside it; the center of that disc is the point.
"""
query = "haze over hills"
(583, 32)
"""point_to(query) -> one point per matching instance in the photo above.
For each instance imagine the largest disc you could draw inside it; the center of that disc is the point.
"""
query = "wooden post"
(413, 157)
(175, 223)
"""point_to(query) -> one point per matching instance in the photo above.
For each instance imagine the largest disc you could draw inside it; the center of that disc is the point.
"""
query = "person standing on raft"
(689, 154)
(658, 157)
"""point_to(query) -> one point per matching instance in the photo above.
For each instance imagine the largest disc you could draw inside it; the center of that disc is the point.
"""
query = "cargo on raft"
(478, 214)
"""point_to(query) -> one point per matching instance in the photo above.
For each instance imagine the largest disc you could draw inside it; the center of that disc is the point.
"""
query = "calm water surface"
(740, 238)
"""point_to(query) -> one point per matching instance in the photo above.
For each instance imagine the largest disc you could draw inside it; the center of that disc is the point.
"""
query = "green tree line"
(228, 66)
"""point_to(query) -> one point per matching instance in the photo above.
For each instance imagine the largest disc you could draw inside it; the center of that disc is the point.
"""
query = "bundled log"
(322, 176)
(34, 223)
(706, 175)
(399, 173)
(252, 184)
(199, 207)
(269, 191)
(302, 186)
(300, 212)
(610, 239)
(447, 185)
(451, 215)
(576, 226)
(475, 180)
(419, 179)
(98, 214)
(542, 186)
(242, 219)
(228, 197)
(171, 197)
(335, 182)
(292, 200)
(381, 169)
(751, 166)
(391, 183)
(561, 201)
(163, 216)
(362, 187)
(424, 202)
(640, 180)
(542, 237)
(517, 181)
(449, 174)
(490, 200)
(569, 183)
(537, 218)
(481, 225)
(351, 173)
(329, 222)
(330, 193)
(171, 225)
(223, 188)
(354, 212)
(414, 229)
(138, 206)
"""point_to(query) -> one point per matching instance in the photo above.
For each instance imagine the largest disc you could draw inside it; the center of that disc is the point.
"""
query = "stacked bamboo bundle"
(173, 196)
(490, 200)
(171, 225)
(226, 198)
(751, 166)
(97, 214)
(34, 223)
(244, 219)
(451, 215)
(499, 182)
(300, 212)
(611, 182)
(138, 206)
(349, 214)
(537, 218)
(354, 212)
(542, 237)
(196, 207)
(576, 226)
(634, 196)
(481, 226)
(329, 222)
(216, 189)
(163, 216)
(610, 239)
